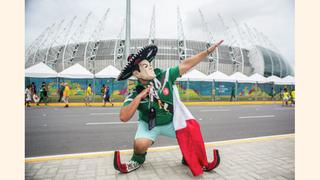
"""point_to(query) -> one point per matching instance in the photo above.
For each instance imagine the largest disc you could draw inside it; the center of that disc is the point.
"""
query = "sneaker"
(132, 165)
(124, 167)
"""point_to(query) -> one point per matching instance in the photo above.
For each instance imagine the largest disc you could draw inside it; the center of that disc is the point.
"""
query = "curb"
(119, 104)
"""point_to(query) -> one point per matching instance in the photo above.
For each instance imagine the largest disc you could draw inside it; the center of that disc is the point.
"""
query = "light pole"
(128, 28)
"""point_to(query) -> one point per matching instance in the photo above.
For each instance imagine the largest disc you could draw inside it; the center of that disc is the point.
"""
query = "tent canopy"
(241, 78)
(40, 70)
(108, 72)
(76, 72)
(289, 80)
(194, 75)
(220, 77)
(258, 78)
(274, 79)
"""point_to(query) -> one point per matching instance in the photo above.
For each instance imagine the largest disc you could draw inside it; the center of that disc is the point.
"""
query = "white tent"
(220, 77)
(40, 70)
(288, 80)
(108, 72)
(76, 72)
(194, 75)
(274, 79)
(258, 78)
(241, 78)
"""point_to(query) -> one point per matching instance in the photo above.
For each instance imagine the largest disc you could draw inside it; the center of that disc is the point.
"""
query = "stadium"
(245, 50)
(60, 47)
(110, 52)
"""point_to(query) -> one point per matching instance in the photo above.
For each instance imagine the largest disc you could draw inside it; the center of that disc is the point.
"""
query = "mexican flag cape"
(190, 139)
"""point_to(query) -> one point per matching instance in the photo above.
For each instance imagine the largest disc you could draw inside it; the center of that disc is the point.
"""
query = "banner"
(50, 82)
(77, 87)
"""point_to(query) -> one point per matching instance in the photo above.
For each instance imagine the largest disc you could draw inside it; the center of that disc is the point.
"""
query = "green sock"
(140, 158)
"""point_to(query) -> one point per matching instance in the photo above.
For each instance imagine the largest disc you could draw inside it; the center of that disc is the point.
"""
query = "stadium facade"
(61, 45)
(110, 52)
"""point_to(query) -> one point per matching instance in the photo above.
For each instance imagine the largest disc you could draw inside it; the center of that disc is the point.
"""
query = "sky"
(274, 18)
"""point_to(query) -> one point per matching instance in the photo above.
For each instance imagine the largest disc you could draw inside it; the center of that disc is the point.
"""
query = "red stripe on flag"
(192, 146)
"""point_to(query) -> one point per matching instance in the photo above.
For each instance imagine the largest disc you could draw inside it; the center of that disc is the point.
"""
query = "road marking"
(214, 110)
(250, 117)
(154, 149)
(92, 114)
(110, 123)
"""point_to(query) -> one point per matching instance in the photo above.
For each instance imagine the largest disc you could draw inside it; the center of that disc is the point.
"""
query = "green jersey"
(163, 114)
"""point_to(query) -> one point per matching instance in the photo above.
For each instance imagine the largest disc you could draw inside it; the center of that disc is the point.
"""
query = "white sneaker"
(132, 165)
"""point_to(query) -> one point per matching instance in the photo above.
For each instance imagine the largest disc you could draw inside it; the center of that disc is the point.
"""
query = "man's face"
(146, 71)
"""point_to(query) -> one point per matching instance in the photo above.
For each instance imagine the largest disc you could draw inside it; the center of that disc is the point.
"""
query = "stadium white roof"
(108, 72)
(241, 78)
(194, 75)
(220, 77)
(76, 71)
(40, 70)
(258, 78)
(289, 80)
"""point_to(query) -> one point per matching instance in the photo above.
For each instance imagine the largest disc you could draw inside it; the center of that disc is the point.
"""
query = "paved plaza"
(270, 157)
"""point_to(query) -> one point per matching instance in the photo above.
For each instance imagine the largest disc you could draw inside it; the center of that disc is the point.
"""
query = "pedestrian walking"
(272, 93)
(28, 95)
(89, 94)
(66, 94)
(286, 97)
(293, 97)
(35, 98)
(61, 91)
(102, 91)
(233, 94)
(106, 97)
(43, 95)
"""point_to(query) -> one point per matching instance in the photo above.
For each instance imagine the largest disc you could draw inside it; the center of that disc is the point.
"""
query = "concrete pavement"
(270, 157)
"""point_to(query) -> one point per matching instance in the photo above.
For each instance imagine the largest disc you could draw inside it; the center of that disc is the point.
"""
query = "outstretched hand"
(214, 46)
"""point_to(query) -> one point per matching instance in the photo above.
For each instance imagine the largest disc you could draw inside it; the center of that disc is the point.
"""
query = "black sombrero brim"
(146, 53)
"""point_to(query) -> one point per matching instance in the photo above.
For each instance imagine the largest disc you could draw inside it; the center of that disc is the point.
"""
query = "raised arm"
(190, 62)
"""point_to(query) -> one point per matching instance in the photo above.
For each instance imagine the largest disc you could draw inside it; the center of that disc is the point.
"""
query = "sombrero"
(146, 53)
